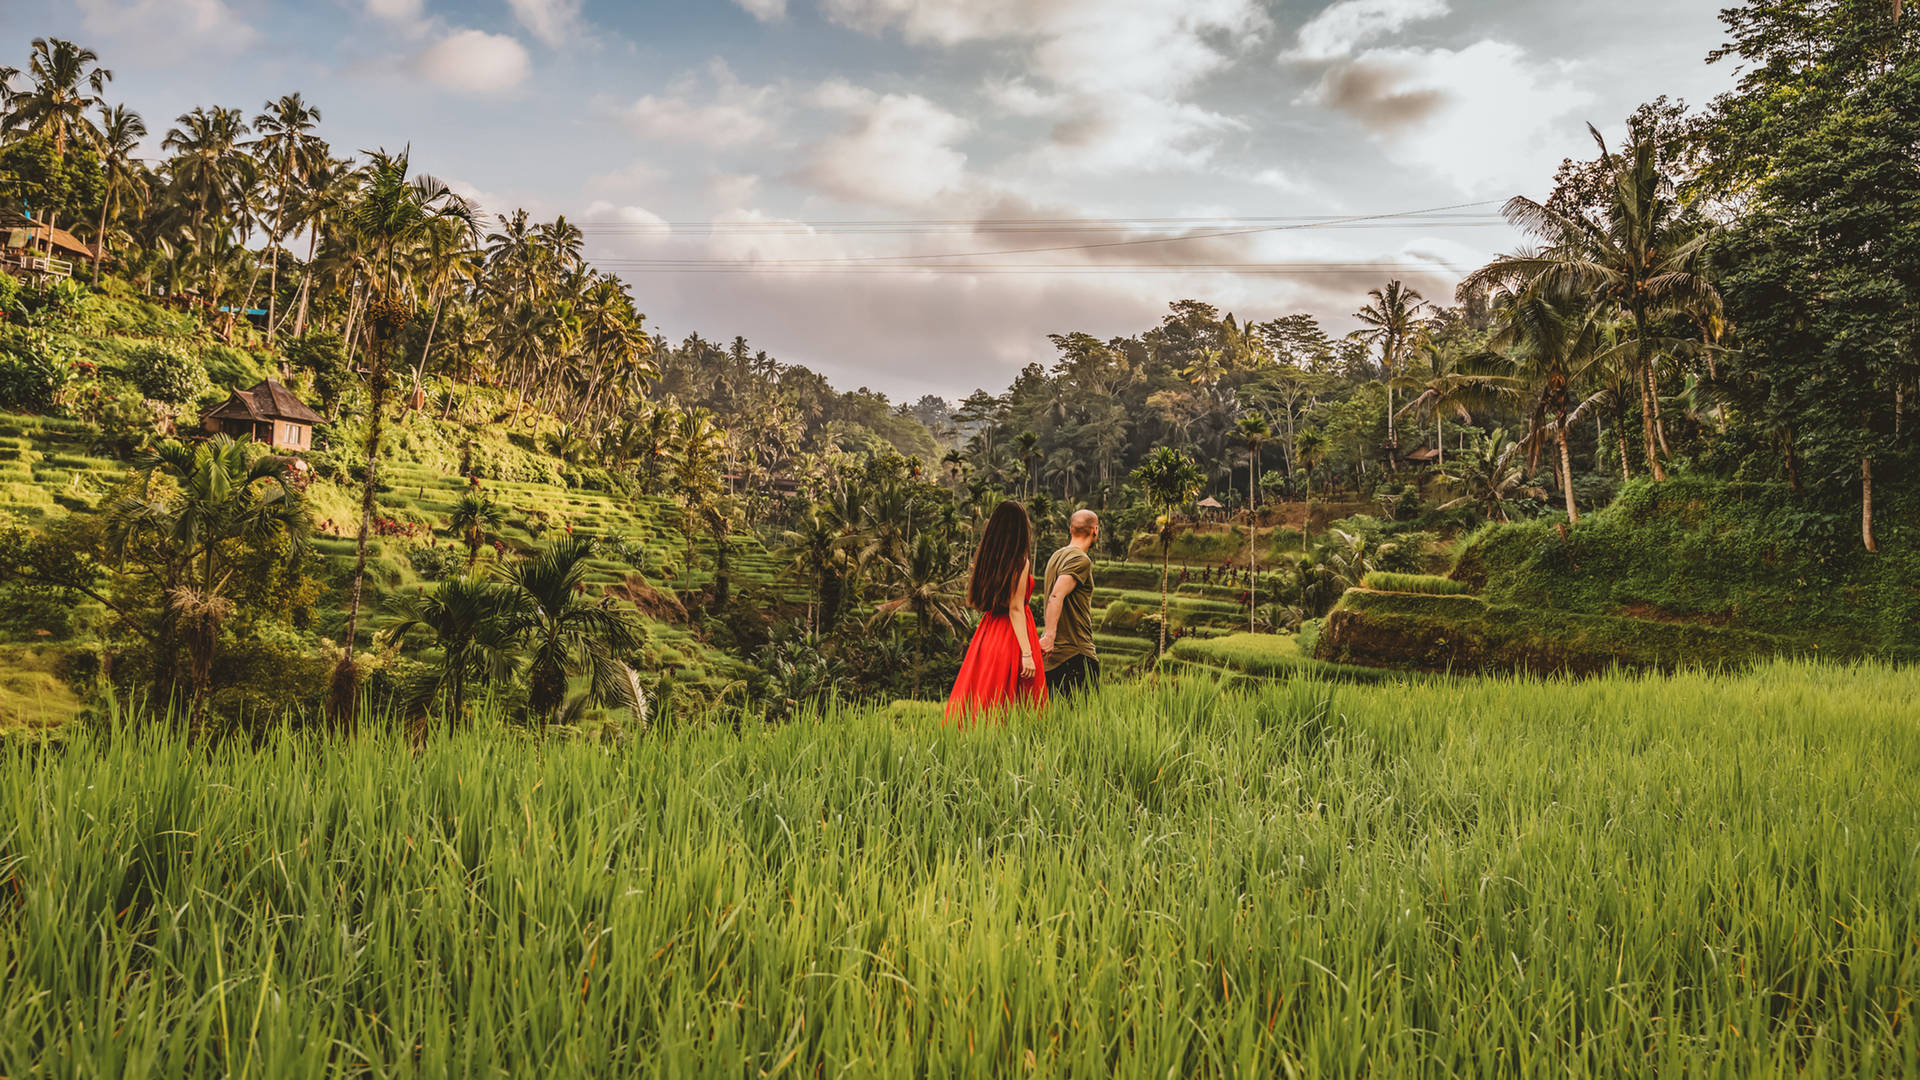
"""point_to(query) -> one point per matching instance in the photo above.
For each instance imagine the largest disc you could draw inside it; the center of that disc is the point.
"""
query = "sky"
(910, 195)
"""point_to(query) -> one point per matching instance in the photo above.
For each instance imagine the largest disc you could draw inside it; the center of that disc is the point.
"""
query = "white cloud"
(396, 10)
(475, 62)
(552, 21)
(169, 24)
(732, 190)
(632, 220)
(898, 150)
(727, 112)
(1343, 27)
(1486, 118)
(1114, 78)
(765, 10)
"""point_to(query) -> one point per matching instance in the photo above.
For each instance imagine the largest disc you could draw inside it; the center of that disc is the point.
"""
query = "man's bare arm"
(1063, 585)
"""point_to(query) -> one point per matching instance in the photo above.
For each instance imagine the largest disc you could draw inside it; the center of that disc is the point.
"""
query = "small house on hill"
(268, 413)
(41, 249)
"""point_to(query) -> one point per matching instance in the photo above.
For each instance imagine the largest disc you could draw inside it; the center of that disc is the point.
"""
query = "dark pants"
(1072, 676)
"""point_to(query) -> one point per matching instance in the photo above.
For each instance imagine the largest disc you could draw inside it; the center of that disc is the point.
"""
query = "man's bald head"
(1083, 523)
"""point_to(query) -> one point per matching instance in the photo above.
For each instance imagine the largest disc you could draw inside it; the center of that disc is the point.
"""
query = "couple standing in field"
(1009, 661)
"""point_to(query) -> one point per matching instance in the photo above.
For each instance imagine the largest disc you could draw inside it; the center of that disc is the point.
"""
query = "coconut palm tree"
(814, 553)
(325, 191)
(65, 82)
(465, 622)
(120, 131)
(1551, 342)
(393, 209)
(289, 149)
(1491, 476)
(1393, 323)
(1169, 479)
(207, 170)
(1641, 259)
(928, 587)
(563, 634)
(1253, 431)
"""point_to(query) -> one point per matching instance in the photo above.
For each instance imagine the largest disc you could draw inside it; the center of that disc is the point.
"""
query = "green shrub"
(166, 373)
(230, 367)
(1426, 584)
(34, 368)
(322, 354)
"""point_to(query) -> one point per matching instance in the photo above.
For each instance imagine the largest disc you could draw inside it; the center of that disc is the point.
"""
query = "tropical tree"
(119, 133)
(1551, 342)
(1491, 475)
(473, 519)
(290, 151)
(1393, 324)
(393, 208)
(1640, 258)
(201, 506)
(466, 625)
(564, 635)
(928, 588)
(65, 81)
(1169, 479)
(1254, 431)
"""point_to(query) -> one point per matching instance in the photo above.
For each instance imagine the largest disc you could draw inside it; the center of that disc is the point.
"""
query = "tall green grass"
(1695, 874)
(1423, 584)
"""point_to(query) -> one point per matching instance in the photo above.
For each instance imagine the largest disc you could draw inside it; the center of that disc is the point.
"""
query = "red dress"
(990, 676)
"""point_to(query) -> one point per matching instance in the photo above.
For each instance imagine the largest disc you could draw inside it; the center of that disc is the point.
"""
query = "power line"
(1280, 226)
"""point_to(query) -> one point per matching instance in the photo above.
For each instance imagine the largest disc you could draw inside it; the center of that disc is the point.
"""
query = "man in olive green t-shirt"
(1068, 638)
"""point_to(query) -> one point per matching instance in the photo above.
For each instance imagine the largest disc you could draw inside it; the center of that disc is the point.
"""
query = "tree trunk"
(1659, 425)
(306, 279)
(1166, 556)
(1866, 504)
(100, 239)
(346, 682)
(1253, 551)
(1643, 374)
(1620, 434)
(1566, 473)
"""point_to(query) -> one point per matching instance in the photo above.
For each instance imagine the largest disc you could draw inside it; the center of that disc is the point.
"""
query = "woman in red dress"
(1002, 667)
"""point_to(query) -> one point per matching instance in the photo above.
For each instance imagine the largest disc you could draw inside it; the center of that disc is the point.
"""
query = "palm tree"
(1452, 384)
(814, 552)
(472, 519)
(393, 209)
(564, 634)
(1551, 342)
(1254, 431)
(120, 131)
(465, 620)
(289, 149)
(1169, 479)
(209, 175)
(325, 190)
(67, 80)
(929, 588)
(1641, 259)
(1310, 449)
(1490, 476)
(1029, 445)
(1393, 324)
(696, 471)
(202, 503)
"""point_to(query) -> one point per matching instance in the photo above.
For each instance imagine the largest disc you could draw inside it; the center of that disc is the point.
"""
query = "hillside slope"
(1687, 571)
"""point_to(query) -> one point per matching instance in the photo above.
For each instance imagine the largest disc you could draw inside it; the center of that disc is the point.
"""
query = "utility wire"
(1133, 242)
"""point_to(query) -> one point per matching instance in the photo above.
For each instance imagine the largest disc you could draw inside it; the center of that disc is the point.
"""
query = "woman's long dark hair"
(1006, 552)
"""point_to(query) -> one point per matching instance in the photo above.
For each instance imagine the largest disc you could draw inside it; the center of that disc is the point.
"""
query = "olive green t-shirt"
(1073, 634)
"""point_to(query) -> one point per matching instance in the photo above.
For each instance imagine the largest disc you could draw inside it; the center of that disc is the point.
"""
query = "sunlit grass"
(1619, 877)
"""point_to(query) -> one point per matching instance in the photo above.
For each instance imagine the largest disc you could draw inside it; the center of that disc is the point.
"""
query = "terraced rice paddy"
(1691, 875)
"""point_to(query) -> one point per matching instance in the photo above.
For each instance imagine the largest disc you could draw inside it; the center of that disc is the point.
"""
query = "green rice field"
(1712, 875)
